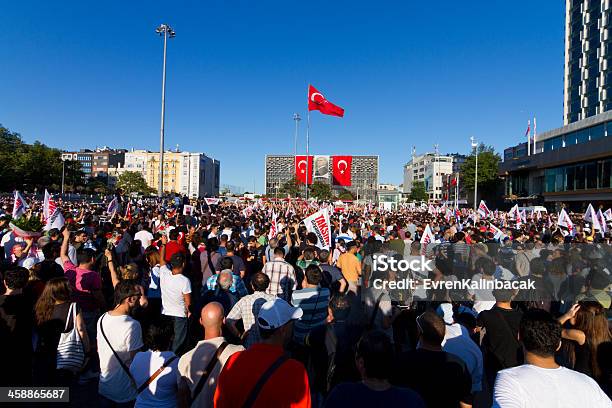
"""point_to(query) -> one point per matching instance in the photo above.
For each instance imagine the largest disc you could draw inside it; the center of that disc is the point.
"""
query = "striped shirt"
(282, 278)
(247, 309)
(313, 302)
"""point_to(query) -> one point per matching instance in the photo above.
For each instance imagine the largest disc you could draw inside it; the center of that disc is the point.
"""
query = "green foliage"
(32, 224)
(345, 195)
(418, 192)
(133, 182)
(488, 179)
(292, 187)
(26, 167)
(320, 191)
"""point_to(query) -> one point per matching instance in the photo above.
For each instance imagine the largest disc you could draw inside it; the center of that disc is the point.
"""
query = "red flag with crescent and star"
(300, 169)
(316, 101)
(342, 170)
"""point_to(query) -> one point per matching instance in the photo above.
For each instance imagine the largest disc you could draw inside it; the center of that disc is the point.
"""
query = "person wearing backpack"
(263, 375)
(119, 339)
(155, 370)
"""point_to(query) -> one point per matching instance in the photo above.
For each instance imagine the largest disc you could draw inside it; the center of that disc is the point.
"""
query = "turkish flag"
(300, 169)
(316, 101)
(342, 170)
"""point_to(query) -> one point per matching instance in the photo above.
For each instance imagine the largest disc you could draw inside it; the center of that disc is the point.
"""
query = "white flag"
(113, 206)
(602, 223)
(591, 216)
(319, 224)
(483, 210)
(608, 214)
(498, 234)
(427, 236)
(19, 205)
(565, 221)
(56, 220)
(188, 209)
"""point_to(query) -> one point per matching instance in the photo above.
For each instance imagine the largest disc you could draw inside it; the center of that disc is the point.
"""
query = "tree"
(345, 195)
(320, 191)
(418, 192)
(133, 182)
(488, 179)
(27, 167)
(293, 187)
(73, 175)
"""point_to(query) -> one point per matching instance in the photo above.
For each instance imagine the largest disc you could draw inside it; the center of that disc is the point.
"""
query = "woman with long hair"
(588, 329)
(51, 313)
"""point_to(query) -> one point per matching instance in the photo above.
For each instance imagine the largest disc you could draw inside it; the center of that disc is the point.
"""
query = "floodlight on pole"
(167, 32)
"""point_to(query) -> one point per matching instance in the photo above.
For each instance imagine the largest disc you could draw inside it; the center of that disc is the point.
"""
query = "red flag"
(316, 101)
(300, 169)
(342, 170)
(454, 181)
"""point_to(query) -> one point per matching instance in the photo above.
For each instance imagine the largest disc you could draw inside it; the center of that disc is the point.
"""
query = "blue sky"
(80, 74)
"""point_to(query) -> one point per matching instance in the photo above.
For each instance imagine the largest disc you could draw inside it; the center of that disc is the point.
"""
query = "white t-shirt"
(161, 392)
(193, 363)
(483, 296)
(531, 386)
(173, 287)
(145, 237)
(125, 335)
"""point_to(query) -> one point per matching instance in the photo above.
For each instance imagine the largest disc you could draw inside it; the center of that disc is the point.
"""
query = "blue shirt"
(237, 287)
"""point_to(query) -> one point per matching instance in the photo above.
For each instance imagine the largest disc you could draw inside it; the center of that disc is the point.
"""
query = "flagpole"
(307, 140)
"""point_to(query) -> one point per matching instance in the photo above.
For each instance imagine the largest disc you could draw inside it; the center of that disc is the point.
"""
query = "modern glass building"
(571, 164)
(588, 81)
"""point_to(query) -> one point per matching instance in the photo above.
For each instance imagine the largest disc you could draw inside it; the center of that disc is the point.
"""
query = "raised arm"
(64, 249)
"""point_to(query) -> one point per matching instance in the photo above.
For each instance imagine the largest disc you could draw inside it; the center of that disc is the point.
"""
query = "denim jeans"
(180, 333)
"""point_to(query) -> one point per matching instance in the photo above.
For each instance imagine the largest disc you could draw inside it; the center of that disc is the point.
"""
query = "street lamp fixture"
(166, 31)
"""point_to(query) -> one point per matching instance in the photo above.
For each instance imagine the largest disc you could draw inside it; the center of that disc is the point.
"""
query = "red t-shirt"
(172, 248)
(287, 387)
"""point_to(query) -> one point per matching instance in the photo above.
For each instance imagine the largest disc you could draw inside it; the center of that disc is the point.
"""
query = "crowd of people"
(178, 302)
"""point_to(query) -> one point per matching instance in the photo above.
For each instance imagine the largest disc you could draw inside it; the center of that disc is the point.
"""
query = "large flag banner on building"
(301, 166)
(342, 166)
(19, 205)
(483, 210)
(321, 169)
(319, 224)
(316, 101)
(48, 205)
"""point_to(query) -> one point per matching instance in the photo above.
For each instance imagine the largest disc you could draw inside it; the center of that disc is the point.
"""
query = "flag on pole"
(427, 238)
(319, 223)
(48, 205)
(608, 214)
(128, 211)
(483, 210)
(19, 205)
(591, 216)
(113, 206)
(498, 234)
(565, 221)
(528, 129)
(273, 227)
(56, 220)
(602, 223)
(316, 101)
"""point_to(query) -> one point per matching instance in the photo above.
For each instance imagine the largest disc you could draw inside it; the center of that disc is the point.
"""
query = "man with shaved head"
(200, 367)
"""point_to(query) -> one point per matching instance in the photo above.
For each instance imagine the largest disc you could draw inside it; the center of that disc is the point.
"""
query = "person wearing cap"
(176, 296)
(350, 266)
(118, 332)
(263, 376)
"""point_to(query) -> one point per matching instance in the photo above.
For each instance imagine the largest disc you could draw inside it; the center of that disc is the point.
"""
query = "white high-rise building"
(429, 168)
